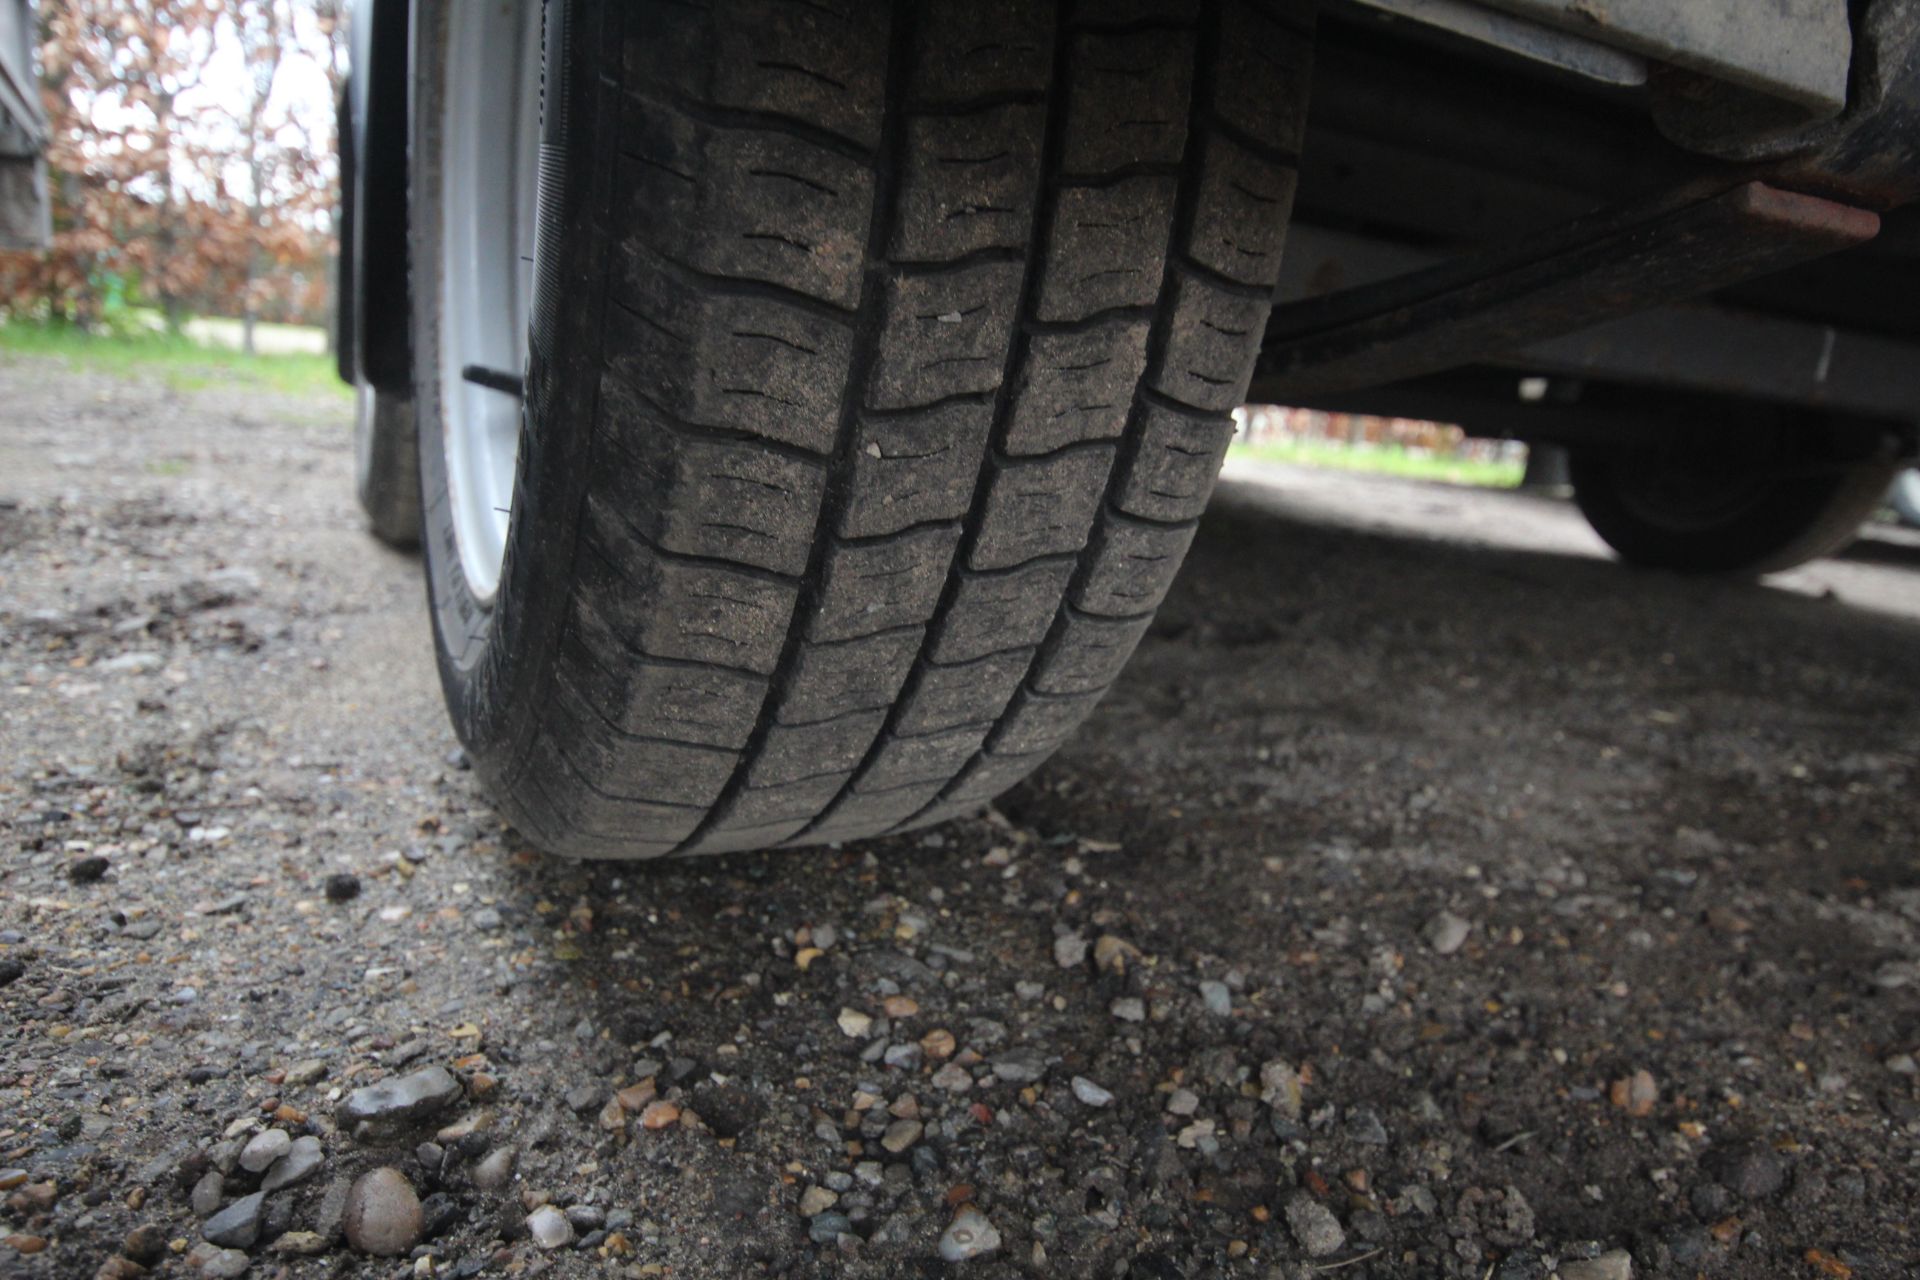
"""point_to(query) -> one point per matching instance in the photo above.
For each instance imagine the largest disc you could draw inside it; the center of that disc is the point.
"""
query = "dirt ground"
(1432, 898)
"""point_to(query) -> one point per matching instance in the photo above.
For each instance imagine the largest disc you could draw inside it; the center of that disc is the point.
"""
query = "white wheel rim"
(490, 146)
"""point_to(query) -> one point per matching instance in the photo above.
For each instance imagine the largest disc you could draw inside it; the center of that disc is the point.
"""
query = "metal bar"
(1797, 51)
(1470, 310)
(1528, 39)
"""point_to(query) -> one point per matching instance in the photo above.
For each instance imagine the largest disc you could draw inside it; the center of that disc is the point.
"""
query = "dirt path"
(1433, 897)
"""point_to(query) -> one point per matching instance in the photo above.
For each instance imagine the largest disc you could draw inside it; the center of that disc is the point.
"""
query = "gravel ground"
(1432, 898)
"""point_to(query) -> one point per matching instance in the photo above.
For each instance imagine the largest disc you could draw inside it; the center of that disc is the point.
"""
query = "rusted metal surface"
(1678, 246)
(1793, 51)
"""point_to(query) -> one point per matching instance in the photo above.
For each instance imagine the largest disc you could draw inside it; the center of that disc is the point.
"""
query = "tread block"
(732, 839)
(1173, 471)
(723, 499)
(1042, 506)
(800, 802)
(820, 63)
(862, 813)
(709, 706)
(676, 609)
(969, 183)
(1077, 386)
(650, 771)
(749, 204)
(982, 47)
(1130, 565)
(1240, 219)
(1127, 99)
(933, 757)
(1089, 654)
(1212, 341)
(964, 693)
(1107, 247)
(831, 680)
(794, 753)
(944, 334)
(1036, 723)
(915, 468)
(733, 362)
(997, 611)
(989, 775)
(595, 808)
(877, 586)
(1265, 69)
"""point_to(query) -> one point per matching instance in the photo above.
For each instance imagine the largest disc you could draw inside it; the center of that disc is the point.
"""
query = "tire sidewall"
(495, 658)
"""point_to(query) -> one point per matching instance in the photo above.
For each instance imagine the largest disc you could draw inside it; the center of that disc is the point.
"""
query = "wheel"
(386, 460)
(1904, 497)
(1697, 515)
(875, 371)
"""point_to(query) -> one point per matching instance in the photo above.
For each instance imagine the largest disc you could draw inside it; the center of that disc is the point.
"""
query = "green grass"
(181, 363)
(1390, 460)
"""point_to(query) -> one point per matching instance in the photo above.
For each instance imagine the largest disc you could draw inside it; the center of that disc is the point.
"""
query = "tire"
(386, 459)
(880, 370)
(1663, 514)
(1904, 497)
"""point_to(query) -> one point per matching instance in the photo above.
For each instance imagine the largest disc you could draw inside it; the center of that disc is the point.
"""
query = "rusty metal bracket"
(1678, 246)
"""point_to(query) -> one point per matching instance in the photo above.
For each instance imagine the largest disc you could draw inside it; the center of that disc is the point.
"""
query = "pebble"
(817, 1200)
(1748, 1169)
(263, 1149)
(302, 1158)
(1446, 932)
(549, 1228)
(826, 1228)
(494, 1171)
(409, 1097)
(658, 1115)
(214, 1263)
(238, 1225)
(1314, 1225)
(1218, 999)
(1615, 1265)
(305, 1244)
(969, 1235)
(383, 1215)
(1183, 1102)
(207, 1193)
(855, 1023)
(1070, 951)
(953, 1078)
(901, 1134)
(145, 1244)
(1020, 1066)
(486, 920)
(1090, 1093)
(303, 1073)
(344, 887)
(1129, 1009)
(87, 870)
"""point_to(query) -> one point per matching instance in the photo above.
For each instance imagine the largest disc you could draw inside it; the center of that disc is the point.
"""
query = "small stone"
(583, 1098)
(301, 1244)
(207, 1193)
(1112, 954)
(344, 887)
(119, 1268)
(1218, 999)
(1020, 1066)
(1129, 1009)
(494, 1170)
(238, 1225)
(826, 1228)
(1070, 951)
(1616, 1264)
(215, 1263)
(1751, 1170)
(938, 1044)
(969, 1235)
(1090, 1093)
(21, 1242)
(400, 1100)
(304, 1073)
(901, 1134)
(953, 1077)
(1183, 1102)
(145, 1244)
(658, 1115)
(302, 1158)
(817, 1200)
(263, 1149)
(1446, 932)
(855, 1023)
(1635, 1094)
(1314, 1225)
(486, 920)
(1364, 1127)
(1280, 1088)
(383, 1215)
(549, 1228)
(87, 870)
